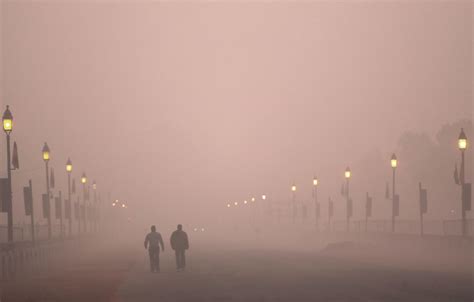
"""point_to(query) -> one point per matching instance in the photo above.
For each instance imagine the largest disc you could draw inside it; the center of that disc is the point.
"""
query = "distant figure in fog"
(153, 241)
(179, 243)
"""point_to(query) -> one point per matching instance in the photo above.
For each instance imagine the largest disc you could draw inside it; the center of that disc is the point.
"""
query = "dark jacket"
(179, 240)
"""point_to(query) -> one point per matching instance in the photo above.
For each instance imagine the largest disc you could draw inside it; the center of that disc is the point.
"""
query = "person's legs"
(183, 259)
(157, 261)
(152, 259)
(178, 262)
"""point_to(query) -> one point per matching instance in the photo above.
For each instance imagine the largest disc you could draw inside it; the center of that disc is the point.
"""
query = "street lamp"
(264, 197)
(84, 181)
(394, 164)
(293, 190)
(347, 175)
(8, 127)
(462, 145)
(462, 141)
(69, 171)
(46, 158)
(316, 204)
(94, 207)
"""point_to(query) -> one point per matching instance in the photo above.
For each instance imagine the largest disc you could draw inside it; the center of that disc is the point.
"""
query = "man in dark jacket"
(179, 243)
(153, 241)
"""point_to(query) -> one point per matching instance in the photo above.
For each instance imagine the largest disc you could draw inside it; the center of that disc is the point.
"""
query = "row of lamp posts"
(46, 153)
(462, 145)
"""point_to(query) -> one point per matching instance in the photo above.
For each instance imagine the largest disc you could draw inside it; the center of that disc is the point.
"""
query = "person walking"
(179, 243)
(153, 241)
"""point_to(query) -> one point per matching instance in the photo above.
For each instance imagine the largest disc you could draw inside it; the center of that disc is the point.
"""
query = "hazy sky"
(188, 105)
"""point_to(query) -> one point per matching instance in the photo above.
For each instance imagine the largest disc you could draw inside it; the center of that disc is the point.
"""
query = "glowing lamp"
(315, 181)
(7, 120)
(46, 151)
(264, 197)
(462, 141)
(347, 173)
(83, 178)
(394, 161)
(293, 188)
(69, 166)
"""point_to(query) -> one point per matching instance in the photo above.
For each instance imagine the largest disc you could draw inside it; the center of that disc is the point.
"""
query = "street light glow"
(46, 152)
(347, 173)
(7, 120)
(293, 188)
(264, 197)
(236, 203)
(462, 141)
(315, 181)
(245, 201)
(83, 178)
(69, 166)
(394, 161)
(94, 185)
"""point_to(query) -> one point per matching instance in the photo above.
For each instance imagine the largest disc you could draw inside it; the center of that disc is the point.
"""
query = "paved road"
(266, 275)
(120, 274)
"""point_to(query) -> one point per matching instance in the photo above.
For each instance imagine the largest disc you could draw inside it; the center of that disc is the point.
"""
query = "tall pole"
(294, 204)
(32, 216)
(10, 201)
(421, 210)
(61, 226)
(49, 205)
(315, 194)
(393, 201)
(464, 225)
(347, 204)
(79, 214)
(85, 206)
(95, 210)
(70, 202)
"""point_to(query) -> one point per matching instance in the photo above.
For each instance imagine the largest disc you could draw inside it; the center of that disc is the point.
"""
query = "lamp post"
(46, 158)
(462, 145)
(69, 171)
(316, 205)
(394, 164)
(94, 216)
(347, 175)
(8, 127)
(84, 181)
(293, 190)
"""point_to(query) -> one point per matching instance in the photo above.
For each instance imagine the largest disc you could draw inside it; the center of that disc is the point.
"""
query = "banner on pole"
(424, 201)
(46, 206)
(58, 206)
(28, 197)
(4, 204)
(76, 211)
(368, 206)
(67, 207)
